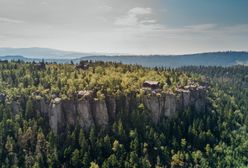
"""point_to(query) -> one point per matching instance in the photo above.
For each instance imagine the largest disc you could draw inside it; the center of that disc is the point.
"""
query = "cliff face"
(86, 111)
(100, 113)
(160, 106)
(85, 118)
(191, 97)
(55, 114)
(167, 105)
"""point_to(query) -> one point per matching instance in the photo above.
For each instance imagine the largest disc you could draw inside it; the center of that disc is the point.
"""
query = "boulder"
(85, 94)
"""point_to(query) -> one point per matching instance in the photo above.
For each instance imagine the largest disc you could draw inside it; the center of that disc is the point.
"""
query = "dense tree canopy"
(217, 138)
(65, 80)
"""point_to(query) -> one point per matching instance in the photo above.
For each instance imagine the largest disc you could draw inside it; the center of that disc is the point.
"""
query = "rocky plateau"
(87, 111)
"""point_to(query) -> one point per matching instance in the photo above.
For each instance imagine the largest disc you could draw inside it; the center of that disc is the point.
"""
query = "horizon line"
(123, 54)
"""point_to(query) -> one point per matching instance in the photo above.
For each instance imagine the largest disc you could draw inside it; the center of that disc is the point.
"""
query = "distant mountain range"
(45, 53)
(50, 55)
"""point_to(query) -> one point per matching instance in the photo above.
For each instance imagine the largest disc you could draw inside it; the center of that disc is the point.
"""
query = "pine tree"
(82, 142)
(75, 158)
(29, 112)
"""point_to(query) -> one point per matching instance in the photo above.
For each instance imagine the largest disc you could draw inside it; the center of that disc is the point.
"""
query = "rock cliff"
(85, 118)
(86, 111)
(100, 113)
(55, 114)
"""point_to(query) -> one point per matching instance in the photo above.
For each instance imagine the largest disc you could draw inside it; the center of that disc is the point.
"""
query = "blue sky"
(130, 26)
(222, 12)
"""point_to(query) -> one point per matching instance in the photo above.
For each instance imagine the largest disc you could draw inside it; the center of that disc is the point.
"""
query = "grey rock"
(160, 106)
(155, 105)
(69, 112)
(55, 114)
(85, 119)
(111, 107)
(100, 113)
(169, 105)
(87, 112)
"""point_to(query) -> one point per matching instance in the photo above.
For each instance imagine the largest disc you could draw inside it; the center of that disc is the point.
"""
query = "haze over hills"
(51, 55)
(200, 59)
(45, 53)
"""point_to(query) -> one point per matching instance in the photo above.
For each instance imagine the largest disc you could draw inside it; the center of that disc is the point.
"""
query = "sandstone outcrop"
(111, 107)
(169, 104)
(191, 97)
(87, 111)
(100, 113)
(85, 118)
(55, 114)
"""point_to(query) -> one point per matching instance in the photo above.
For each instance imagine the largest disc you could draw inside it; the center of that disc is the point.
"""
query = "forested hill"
(203, 59)
(216, 136)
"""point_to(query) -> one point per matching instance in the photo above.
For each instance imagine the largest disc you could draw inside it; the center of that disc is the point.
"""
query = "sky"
(126, 26)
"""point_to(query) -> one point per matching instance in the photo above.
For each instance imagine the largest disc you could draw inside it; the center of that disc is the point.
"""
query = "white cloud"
(139, 11)
(148, 21)
(8, 20)
(134, 17)
(140, 26)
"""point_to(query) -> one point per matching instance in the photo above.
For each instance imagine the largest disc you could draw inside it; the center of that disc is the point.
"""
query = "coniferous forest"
(217, 137)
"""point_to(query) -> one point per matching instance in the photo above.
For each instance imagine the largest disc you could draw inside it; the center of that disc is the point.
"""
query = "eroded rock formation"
(55, 114)
(85, 119)
(100, 112)
(86, 111)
